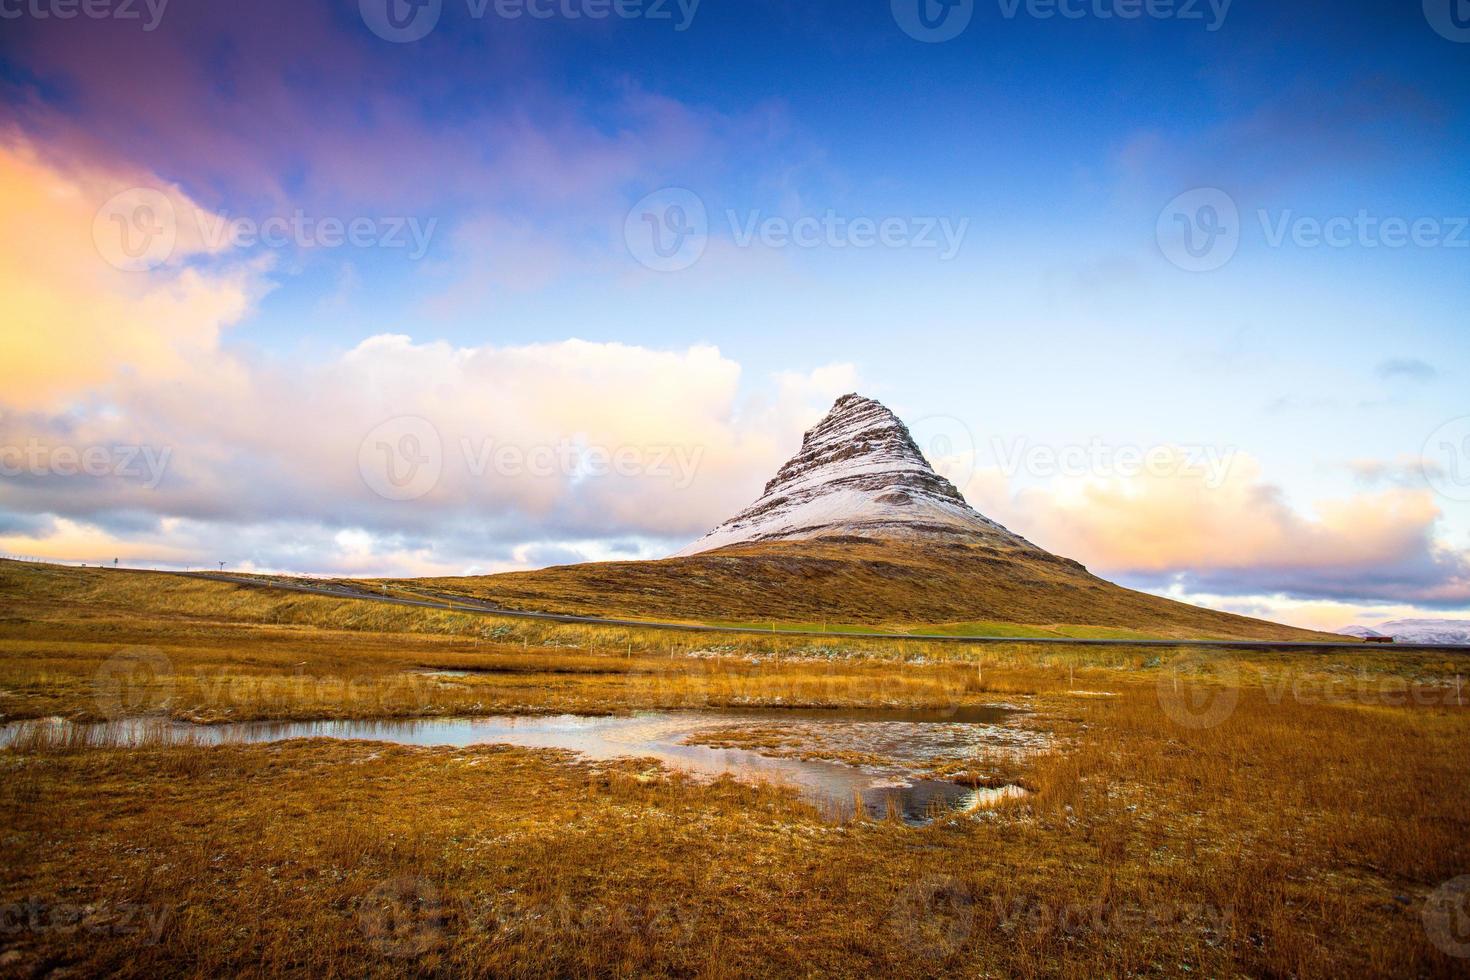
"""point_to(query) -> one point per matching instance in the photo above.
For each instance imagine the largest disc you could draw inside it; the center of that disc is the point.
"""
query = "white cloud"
(534, 445)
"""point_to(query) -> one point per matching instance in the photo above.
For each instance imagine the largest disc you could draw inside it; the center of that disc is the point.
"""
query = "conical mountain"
(858, 528)
(859, 472)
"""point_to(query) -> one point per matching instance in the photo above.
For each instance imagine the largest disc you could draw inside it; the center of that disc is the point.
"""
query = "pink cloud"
(320, 110)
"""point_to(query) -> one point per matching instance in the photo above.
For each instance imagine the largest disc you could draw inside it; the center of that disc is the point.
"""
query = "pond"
(894, 745)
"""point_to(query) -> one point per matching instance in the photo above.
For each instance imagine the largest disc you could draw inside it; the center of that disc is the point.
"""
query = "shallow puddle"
(903, 739)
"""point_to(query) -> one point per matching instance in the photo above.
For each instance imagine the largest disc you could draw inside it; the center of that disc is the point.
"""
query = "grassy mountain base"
(866, 582)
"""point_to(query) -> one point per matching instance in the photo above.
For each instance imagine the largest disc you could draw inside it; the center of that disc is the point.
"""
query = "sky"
(406, 287)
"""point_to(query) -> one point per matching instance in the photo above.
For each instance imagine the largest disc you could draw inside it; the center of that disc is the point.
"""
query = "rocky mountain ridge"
(858, 472)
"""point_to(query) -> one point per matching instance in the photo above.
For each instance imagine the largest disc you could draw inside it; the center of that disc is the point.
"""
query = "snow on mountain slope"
(1362, 632)
(858, 472)
(1426, 630)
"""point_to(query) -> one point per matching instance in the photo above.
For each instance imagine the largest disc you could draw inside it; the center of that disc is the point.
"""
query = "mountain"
(858, 528)
(1417, 630)
(859, 472)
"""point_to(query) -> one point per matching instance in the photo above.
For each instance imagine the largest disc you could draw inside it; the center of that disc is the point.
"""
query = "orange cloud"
(72, 319)
(85, 325)
(73, 540)
(1184, 517)
(1316, 614)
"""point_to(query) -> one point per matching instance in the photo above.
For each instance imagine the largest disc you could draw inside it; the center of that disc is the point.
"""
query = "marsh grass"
(239, 653)
(1264, 846)
(1299, 833)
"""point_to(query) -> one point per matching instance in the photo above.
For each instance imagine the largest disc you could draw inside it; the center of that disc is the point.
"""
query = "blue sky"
(1058, 152)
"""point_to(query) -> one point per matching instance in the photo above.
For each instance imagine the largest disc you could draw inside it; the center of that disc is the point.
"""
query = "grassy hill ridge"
(861, 581)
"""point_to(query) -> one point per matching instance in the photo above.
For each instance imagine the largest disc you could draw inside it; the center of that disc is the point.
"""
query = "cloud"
(274, 101)
(494, 256)
(1293, 135)
(1405, 471)
(130, 427)
(129, 422)
(67, 539)
(1406, 368)
(75, 321)
(1183, 527)
(542, 442)
(1328, 615)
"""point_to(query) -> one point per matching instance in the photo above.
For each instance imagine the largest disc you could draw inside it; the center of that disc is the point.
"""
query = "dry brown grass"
(1216, 814)
(858, 581)
(1259, 847)
(214, 651)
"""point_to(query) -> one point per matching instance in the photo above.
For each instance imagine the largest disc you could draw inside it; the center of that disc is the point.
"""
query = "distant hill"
(858, 528)
(1417, 630)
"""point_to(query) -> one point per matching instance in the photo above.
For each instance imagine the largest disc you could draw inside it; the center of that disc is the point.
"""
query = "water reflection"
(905, 736)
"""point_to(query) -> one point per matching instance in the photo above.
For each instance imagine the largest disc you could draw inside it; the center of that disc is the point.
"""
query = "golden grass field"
(866, 582)
(1199, 813)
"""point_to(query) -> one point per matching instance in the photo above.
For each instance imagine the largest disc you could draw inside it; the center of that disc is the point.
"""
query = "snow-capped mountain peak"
(859, 472)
